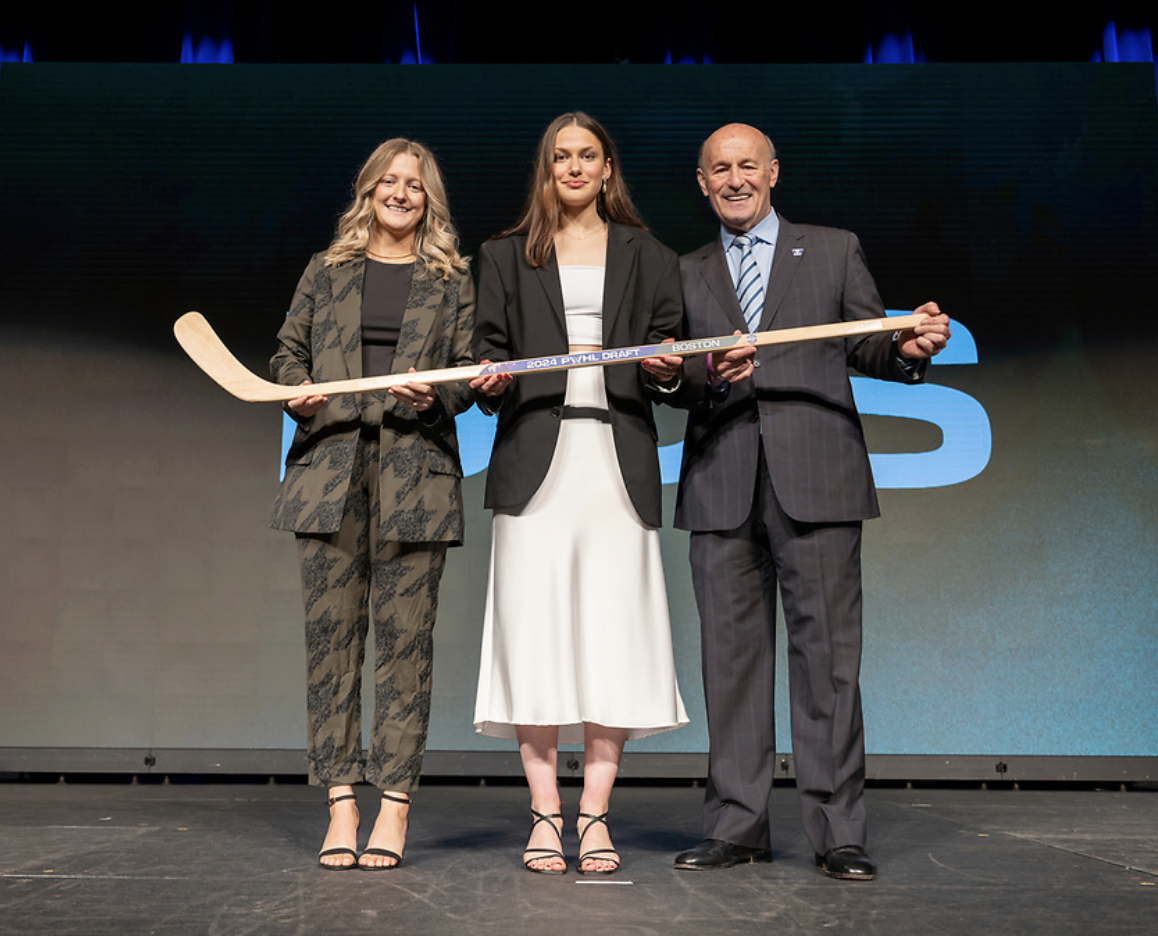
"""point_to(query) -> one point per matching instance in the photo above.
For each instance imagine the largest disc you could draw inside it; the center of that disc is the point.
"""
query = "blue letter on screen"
(966, 438)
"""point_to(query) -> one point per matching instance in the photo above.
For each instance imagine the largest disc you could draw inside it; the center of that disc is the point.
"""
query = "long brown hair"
(435, 240)
(540, 217)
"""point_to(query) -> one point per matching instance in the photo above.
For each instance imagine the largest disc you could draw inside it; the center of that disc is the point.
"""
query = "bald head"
(738, 129)
(737, 172)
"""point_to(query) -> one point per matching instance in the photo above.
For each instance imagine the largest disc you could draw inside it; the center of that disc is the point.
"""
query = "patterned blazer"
(420, 472)
(798, 404)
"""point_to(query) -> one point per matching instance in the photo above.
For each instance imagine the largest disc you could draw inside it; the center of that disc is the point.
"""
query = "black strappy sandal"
(540, 854)
(341, 849)
(596, 854)
(385, 852)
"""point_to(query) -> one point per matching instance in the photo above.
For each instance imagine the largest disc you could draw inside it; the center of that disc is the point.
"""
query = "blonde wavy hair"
(540, 217)
(435, 239)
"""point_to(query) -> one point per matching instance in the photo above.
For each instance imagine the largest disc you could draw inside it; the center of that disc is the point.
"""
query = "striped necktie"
(749, 285)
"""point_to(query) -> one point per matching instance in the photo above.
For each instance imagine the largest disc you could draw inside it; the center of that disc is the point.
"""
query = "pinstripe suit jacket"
(420, 471)
(798, 404)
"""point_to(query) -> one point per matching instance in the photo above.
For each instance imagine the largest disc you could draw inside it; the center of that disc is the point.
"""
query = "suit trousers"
(735, 575)
(349, 577)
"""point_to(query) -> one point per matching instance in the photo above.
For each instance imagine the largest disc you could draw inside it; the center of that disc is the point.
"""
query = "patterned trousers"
(349, 578)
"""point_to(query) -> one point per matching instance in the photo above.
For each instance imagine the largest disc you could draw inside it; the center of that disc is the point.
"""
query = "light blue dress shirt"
(763, 248)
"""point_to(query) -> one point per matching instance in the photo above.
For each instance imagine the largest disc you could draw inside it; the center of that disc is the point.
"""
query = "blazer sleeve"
(492, 340)
(457, 397)
(875, 355)
(667, 313)
(291, 364)
(496, 292)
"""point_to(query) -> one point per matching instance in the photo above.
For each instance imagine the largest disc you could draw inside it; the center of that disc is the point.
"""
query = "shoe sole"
(755, 859)
(849, 877)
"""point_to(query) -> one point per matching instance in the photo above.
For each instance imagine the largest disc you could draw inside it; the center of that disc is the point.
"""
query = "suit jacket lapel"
(785, 262)
(346, 282)
(422, 305)
(714, 269)
(548, 277)
(621, 257)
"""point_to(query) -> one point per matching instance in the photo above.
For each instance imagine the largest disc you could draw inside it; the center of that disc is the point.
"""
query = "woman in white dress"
(576, 639)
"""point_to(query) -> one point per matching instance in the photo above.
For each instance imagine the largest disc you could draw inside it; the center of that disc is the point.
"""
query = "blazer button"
(756, 363)
(556, 411)
(755, 417)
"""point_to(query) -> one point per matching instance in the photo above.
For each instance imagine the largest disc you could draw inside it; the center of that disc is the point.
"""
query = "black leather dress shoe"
(712, 853)
(847, 862)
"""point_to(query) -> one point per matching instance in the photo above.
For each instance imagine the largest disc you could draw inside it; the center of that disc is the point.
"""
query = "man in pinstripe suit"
(774, 486)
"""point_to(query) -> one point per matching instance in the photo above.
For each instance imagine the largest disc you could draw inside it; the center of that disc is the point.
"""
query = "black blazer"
(520, 315)
(798, 404)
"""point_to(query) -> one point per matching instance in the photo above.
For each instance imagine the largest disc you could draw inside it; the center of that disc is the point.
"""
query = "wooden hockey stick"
(209, 353)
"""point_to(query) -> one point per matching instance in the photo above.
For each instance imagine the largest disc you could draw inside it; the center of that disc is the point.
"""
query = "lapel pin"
(798, 251)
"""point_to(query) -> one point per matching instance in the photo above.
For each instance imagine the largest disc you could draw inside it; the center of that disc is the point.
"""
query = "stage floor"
(220, 859)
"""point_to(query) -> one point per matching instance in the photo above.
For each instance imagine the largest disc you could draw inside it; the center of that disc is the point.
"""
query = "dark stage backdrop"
(1011, 598)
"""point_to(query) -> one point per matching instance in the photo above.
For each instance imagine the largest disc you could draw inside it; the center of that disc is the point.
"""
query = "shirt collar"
(767, 230)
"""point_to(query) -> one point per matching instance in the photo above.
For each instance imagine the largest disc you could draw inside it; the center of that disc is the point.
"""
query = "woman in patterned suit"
(373, 482)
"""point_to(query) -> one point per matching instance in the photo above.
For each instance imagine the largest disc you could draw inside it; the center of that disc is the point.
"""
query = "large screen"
(1011, 605)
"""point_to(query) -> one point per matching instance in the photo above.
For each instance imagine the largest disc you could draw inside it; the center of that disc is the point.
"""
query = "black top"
(385, 289)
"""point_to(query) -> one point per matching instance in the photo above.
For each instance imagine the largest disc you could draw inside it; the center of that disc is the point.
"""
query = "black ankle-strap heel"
(385, 852)
(341, 849)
